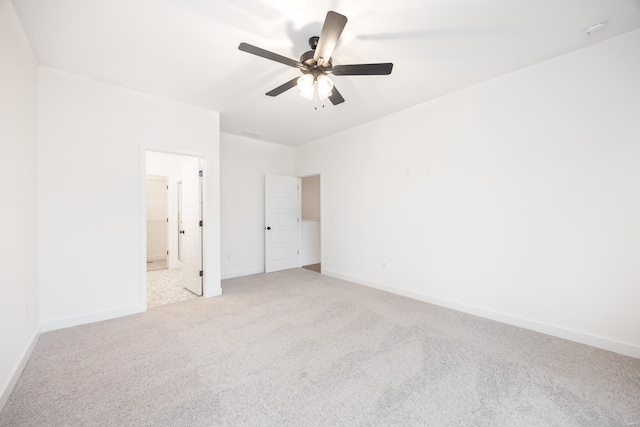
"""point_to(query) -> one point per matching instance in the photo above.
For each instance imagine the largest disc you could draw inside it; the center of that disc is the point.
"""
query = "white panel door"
(282, 220)
(191, 229)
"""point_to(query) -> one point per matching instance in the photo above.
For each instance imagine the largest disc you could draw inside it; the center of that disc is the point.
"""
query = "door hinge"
(201, 223)
(298, 252)
(298, 219)
(167, 219)
(167, 252)
(200, 273)
(200, 174)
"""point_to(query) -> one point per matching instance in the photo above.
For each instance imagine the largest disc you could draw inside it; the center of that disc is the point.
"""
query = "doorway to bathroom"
(174, 205)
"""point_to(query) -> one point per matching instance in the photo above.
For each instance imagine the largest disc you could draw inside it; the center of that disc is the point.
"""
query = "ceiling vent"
(600, 26)
(250, 134)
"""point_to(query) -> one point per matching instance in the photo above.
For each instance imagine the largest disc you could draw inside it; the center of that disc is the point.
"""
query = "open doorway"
(182, 208)
(311, 225)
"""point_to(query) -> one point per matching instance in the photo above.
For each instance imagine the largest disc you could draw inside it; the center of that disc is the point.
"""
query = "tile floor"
(156, 265)
(163, 287)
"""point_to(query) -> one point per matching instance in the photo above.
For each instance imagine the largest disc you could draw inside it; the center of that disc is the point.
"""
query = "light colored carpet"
(165, 287)
(299, 348)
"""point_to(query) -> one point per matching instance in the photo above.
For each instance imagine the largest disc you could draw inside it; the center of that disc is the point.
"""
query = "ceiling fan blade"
(363, 69)
(333, 25)
(245, 47)
(335, 97)
(283, 88)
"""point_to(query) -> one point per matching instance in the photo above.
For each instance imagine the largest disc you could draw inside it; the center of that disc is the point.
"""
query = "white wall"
(518, 199)
(92, 139)
(19, 322)
(243, 164)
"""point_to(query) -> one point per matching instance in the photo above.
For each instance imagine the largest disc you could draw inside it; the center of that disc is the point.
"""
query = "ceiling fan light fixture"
(306, 85)
(325, 86)
(316, 64)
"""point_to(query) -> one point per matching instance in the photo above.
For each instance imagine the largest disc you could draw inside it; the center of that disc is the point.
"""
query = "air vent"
(250, 134)
(600, 26)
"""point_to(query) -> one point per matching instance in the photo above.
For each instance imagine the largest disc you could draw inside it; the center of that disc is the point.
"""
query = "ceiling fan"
(316, 65)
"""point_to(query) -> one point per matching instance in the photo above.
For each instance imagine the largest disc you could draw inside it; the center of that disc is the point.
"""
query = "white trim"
(626, 349)
(323, 224)
(241, 273)
(17, 371)
(142, 262)
(299, 220)
(312, 262)
(213, 292)
(98, 316)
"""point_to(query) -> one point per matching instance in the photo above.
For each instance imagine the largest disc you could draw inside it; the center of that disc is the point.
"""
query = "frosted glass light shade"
(306, 85)
(325, 86)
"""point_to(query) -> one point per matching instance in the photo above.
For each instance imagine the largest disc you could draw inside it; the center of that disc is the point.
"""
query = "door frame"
(211, 281)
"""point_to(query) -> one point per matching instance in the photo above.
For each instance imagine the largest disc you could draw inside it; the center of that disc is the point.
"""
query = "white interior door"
(191, 231)
(282, 221)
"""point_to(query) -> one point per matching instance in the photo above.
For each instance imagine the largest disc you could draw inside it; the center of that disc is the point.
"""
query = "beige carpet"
(297, 348)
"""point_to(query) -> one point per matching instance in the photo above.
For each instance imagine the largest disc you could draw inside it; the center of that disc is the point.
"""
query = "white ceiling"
(187, 50)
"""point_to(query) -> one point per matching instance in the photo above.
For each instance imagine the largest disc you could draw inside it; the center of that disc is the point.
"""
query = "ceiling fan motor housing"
(307, 59)
(313, 42)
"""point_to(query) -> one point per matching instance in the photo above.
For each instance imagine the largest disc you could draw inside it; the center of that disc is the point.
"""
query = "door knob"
(268, 228)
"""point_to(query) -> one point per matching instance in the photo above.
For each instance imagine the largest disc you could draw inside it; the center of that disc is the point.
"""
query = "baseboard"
(17, 371)
(311, 262)
(626, 349)
(97, 316)
(241, 273)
